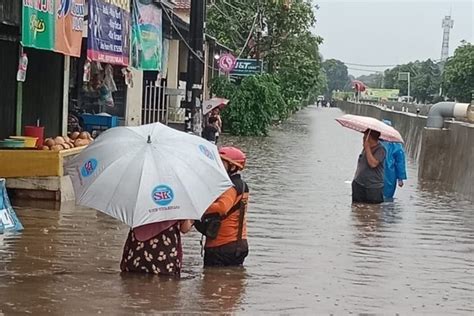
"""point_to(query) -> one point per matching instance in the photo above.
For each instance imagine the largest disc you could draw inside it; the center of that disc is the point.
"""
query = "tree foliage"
(425, 77)
(254, 104)
(280, 34)
(374, 80)
(459, 73)
(336, 74)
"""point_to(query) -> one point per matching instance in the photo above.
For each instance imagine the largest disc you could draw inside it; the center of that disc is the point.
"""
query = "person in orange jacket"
(224, 223)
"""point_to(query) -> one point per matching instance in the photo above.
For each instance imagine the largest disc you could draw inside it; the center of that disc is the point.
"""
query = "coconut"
(75, 135)
(57, 148)
(49, 142)
(59, 140)
(81, 142)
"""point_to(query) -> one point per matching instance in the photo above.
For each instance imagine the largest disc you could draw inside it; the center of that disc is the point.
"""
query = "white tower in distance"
(447, 25)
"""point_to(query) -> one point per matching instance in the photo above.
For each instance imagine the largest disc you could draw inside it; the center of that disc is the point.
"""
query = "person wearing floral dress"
(155, 248)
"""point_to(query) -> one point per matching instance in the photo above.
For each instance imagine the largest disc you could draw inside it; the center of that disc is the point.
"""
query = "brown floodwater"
(310, 250)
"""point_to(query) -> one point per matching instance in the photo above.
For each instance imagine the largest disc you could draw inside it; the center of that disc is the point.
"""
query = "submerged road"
(310, 250)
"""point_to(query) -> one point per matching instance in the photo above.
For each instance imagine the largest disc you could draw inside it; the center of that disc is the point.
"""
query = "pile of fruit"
(76, 139)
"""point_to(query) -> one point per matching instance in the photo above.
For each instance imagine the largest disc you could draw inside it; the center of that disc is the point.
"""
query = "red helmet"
(234, 156)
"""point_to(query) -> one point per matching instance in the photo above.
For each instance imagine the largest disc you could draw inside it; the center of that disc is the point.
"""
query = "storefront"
(102, 92)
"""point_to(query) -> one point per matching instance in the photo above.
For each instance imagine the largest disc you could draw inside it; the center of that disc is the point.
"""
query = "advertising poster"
(146, 36)
(108, 39)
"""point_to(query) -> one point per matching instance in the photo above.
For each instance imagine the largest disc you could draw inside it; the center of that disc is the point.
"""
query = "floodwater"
(311, 251)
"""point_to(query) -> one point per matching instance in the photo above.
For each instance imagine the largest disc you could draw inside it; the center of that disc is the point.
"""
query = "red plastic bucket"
(35, 131)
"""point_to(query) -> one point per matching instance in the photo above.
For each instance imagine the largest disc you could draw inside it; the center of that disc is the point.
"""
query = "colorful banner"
(376, 94)
(53, 25)
(108, 39)
(69, 25)
(146, 36)
(38, 24)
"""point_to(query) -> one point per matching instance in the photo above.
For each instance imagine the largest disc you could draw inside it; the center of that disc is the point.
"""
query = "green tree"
(254, 104)
(281, 30)
(458, 79)
(374, 80)
(336, 74)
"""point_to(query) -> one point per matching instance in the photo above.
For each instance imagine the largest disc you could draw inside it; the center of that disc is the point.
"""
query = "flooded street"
(310, 250)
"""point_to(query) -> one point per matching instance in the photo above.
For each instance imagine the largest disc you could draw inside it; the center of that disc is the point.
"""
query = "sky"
(388, 32)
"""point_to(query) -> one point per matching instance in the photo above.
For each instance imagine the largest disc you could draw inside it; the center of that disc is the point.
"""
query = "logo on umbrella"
(89, 167)
(206, 152)
(162, 195)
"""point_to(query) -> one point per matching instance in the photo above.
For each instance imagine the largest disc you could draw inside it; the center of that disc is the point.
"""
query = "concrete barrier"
(445, 155)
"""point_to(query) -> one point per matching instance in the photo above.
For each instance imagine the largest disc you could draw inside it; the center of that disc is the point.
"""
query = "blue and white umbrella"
(148, 174)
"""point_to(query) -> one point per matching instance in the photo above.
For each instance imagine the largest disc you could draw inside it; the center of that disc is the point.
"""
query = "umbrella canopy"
(213, 103)
(148, 174)
(358, 85)
(363, 123)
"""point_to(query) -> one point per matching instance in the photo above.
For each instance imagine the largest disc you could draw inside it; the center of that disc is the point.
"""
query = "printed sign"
(69, 24)
(246, 67)
(162, 195)
(38, 24)
(146, 36)
(53, 25)
(89, 167)
(227, 62)
(108, 38)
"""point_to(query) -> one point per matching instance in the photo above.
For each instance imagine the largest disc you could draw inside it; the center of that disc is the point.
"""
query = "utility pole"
(195, 68)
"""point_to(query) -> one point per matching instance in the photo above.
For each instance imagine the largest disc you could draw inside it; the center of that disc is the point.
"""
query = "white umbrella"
(211, 104)
(148, 174)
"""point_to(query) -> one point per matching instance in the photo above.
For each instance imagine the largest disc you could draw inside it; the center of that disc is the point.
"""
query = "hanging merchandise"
(22, 66)
(54, 25)
(109, 78)
(146, 36)
(127, 74)
(87, 71)
(108, 39)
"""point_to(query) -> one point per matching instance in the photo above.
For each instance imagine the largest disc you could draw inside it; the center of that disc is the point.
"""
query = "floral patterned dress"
(161, 254)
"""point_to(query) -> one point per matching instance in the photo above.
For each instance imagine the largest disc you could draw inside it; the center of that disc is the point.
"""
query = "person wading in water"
(224, 224)
(367, 186)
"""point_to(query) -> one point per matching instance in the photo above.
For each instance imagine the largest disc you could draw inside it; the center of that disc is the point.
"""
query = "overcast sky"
(379, 32)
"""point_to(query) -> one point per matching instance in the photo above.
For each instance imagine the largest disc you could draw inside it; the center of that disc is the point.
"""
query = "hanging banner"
(53, 25)
(146, 36)
(69, 24)
(38, 24)
(108, 39)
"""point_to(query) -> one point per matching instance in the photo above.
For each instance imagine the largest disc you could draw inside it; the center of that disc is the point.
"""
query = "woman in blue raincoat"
(395, 169)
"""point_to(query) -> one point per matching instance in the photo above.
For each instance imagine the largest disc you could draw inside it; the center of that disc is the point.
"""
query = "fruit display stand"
(38, 174)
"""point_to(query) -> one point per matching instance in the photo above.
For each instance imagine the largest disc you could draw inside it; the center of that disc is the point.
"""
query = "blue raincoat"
(394, 165)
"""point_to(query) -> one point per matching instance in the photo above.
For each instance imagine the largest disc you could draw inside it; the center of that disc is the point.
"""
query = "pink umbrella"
(213, 103)
(363, 123)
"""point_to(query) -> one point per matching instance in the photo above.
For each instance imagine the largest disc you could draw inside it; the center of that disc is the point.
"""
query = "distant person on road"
(211, 130)
(368, 183)
(394, 165)
(217, 114)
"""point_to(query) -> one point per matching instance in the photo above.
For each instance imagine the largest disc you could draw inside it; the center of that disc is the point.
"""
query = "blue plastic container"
(99, 122)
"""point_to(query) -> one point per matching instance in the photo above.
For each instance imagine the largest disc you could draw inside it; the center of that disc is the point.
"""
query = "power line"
(366, 70)
(363, 65)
